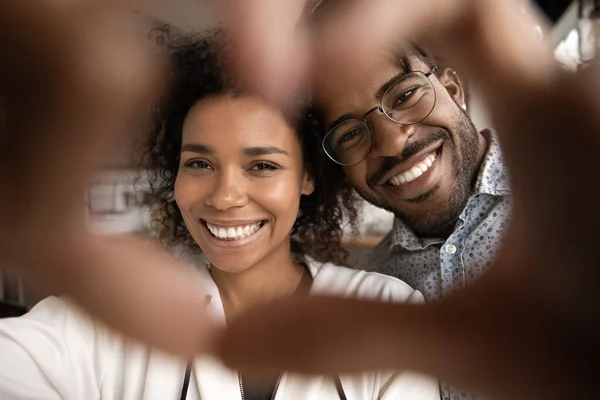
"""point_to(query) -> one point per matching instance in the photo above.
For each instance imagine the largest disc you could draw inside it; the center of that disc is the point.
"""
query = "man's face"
(445, 146)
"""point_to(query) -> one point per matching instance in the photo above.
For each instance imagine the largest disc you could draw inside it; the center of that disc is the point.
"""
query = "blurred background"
(116, 197)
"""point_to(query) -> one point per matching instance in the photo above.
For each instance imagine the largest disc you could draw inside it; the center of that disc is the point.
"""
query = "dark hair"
(198, 71)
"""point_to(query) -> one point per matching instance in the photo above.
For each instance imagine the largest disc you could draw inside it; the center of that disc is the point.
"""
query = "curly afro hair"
(198, 71)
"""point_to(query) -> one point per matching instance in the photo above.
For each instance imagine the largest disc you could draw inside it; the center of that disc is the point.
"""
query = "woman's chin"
(231, 263)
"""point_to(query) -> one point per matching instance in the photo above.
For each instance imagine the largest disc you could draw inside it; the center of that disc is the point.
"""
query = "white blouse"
(57, 351)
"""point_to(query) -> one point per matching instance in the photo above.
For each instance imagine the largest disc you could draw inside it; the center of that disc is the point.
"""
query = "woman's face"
(240, 180)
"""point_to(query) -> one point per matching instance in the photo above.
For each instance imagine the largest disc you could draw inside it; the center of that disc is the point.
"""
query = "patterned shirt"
(437, 267)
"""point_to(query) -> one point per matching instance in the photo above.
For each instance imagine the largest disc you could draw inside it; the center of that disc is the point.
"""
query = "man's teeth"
(413, 173)
(233, 232)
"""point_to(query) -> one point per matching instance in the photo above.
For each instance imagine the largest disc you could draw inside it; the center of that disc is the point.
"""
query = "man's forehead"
(342, 89)
(339, 80)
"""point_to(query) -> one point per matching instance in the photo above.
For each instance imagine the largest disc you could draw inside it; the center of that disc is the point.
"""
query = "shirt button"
(208, 299)
(450, 249)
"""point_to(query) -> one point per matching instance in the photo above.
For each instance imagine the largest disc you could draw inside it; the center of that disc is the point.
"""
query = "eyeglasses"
(407, 101)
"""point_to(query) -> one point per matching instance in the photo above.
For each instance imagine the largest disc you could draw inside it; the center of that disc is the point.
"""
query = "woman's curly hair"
(198, 72)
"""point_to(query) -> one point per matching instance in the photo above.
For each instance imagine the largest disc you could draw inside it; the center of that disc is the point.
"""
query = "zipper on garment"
(241, 385)
(274, 389)
(276, 386)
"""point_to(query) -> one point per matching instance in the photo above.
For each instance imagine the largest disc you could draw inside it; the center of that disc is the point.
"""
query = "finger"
(133, 287)
(447, 340)
(165, 300)
(544, 131)
(271, 47)
(315, 335)
(71, 90)
(494, 40)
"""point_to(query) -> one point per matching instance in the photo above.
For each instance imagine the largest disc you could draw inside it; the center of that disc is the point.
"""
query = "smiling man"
(403, 138)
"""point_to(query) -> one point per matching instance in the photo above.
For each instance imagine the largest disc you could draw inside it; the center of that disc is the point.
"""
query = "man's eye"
(405, 96)
(348, 136)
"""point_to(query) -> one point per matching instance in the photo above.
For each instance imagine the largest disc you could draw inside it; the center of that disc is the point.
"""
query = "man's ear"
(451, 81)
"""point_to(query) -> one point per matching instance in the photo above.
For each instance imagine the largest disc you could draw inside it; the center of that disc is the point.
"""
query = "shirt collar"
(493, 174)
(401, 235)
(492, 180)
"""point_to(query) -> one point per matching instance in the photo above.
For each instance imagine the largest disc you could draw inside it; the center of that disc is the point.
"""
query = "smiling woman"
(241, 182)
(193, 144)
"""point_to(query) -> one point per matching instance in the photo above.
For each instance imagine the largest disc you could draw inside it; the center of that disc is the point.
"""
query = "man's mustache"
(410, 149)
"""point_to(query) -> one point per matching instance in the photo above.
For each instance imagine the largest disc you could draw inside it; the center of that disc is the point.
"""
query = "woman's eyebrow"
(262, 151)
(198, 148)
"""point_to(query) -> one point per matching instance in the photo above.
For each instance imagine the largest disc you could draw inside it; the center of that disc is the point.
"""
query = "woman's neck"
(275, 276)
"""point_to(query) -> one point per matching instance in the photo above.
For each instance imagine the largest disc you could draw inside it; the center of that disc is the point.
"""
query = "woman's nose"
(228, 191)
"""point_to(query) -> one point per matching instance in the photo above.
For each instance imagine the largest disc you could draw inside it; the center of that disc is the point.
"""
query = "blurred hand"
(69, 85)
(528, 329)
(76, 76)
(272, 47)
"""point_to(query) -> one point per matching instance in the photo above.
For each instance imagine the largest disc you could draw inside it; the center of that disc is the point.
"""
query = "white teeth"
(416, 171)
(234, 232)
(413, 173)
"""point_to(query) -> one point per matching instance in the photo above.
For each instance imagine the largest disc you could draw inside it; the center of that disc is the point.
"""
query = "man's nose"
(389, 138)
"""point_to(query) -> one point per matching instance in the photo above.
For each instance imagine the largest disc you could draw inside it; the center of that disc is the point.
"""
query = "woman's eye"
(197, 164)
(264, 166)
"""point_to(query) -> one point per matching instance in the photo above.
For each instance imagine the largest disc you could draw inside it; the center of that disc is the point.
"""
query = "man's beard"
(464, 165)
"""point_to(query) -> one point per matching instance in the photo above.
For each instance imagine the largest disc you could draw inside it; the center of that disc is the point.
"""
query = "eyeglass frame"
(382, 110)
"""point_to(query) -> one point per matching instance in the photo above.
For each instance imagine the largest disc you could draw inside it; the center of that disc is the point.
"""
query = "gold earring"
(453, 72)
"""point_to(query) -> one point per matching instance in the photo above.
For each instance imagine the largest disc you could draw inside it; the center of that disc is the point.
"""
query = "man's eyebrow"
(338, 121)
(407, 69)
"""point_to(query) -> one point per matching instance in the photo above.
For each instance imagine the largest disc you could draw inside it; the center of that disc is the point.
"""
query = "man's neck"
(443, 233)
(273, 277)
